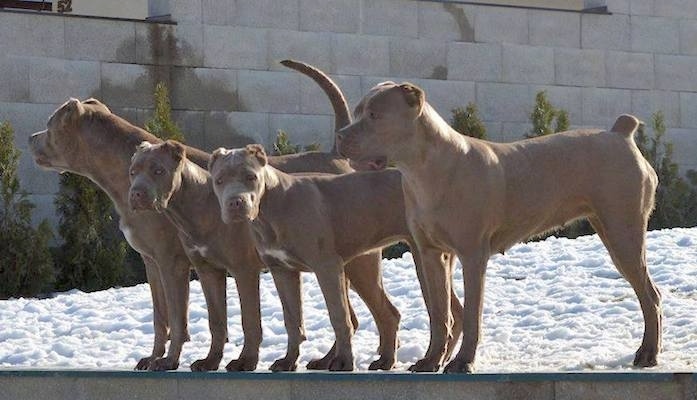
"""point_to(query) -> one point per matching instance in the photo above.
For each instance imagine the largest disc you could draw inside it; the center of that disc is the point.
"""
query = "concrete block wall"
(220, 60)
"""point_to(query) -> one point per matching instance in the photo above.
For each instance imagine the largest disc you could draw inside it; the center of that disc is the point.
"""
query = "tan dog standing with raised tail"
(477, 198)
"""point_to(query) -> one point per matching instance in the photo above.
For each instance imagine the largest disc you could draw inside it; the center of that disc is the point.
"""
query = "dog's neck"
(195, 192)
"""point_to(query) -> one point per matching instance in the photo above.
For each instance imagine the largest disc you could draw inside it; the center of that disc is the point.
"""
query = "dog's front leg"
(247, 282)
(159, 305)
(213, 285)
(473, 271)
(332, 281)
(175, 282)
(434, 273)
(289, 286)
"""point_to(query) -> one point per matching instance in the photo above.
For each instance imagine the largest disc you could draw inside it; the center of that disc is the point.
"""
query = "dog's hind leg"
(624, 238)
(247, 282)
(160, 321)
(456, 312)
(289, 287)
(213, 284)
(365, 275)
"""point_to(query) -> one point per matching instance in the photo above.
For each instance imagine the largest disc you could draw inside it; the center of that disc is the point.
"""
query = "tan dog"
(477, 198)
(164, 180)
(87, 139)
(318, 223)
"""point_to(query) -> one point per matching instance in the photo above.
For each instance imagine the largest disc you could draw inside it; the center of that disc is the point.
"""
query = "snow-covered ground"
(556, 305)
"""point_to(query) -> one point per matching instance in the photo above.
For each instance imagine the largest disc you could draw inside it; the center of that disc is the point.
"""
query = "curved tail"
(626, 125)
(342, 115)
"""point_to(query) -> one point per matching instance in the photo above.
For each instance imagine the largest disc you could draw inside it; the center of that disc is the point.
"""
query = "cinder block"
(134, 388)
(54, 81)
(446, 21)
(496, 24)
(579, 67)
(444, 96)
(602, 106)
(40, 35)
(641, 7)
(629, 70)
(340, 389)
(688, 37)
(361, 55)
(340, 16)
(503, 102)
(310, 47)
(235, 129)
(268, 91)
(474, 61)
(484, 391)
(204, 89)
(314, 101)
(688, 111)
(162, 44)
(675, 8)
(219, 12)
(268, 14)
(304, 129)
(600, 31)
(234, 47)
(567, 390)
(192, 125)
(186, 11)
(566, 98)
(26, 118)
(33, 179)
(131, 85)
(14, 86)
(527, 64)
(554, 28)
(676, 72)
(655, 34)
(390, 17)
(418, 58)
(100, 39)
(647, 102)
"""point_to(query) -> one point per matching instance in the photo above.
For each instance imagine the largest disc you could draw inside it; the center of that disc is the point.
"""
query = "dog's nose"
(235, 203)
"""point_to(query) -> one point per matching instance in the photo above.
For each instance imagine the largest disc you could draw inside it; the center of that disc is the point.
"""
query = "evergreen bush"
(282, 145)
(26, 266)
(467, 121)
(161, 124)
(545, 118)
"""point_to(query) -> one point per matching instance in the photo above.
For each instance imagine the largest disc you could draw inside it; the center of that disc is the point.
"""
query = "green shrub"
(283, 146)
(26, 267)
(467, 122)
(161, 124)
(545, 118)
(676, 197)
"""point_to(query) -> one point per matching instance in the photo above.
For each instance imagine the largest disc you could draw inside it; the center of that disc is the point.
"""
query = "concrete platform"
(103, 385)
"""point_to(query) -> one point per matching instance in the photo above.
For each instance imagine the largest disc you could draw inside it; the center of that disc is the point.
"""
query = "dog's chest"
(270, 247)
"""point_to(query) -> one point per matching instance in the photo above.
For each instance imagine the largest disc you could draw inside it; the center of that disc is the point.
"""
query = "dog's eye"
(373, 115)
(219, 181)
(132, 172)
(159, 171)
(251, 178)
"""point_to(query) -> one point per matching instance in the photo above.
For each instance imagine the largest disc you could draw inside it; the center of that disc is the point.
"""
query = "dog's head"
(155, 175)
(61, 146)
(384, 121)
(239, 181)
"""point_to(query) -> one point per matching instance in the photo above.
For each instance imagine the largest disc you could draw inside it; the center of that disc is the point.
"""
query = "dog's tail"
(342, 114)
(626, 125)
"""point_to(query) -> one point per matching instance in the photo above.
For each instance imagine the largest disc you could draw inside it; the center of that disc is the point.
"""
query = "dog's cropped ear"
(72, 108)
(413, 95)
(144, 145)
(215, 156)
(175, 149)
(257, 151)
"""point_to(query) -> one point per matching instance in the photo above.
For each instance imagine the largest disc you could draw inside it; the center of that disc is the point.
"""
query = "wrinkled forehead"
(237, 160)
(149, 154)
(380, 97)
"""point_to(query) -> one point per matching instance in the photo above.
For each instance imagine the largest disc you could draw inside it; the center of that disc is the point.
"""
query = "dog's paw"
(425, 365)
(645, 358)
(383, 363)
(459, 367)
(206, 364)
(144, 363)
(321, 364)
(163, 364)
(242, 364)
(340, 363)
(284, 364)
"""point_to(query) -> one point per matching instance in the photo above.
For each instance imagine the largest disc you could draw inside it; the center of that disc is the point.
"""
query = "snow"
(554, 305)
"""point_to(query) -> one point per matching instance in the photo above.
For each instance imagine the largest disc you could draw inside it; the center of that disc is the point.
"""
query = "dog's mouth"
(44, 163)
(369, 164)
